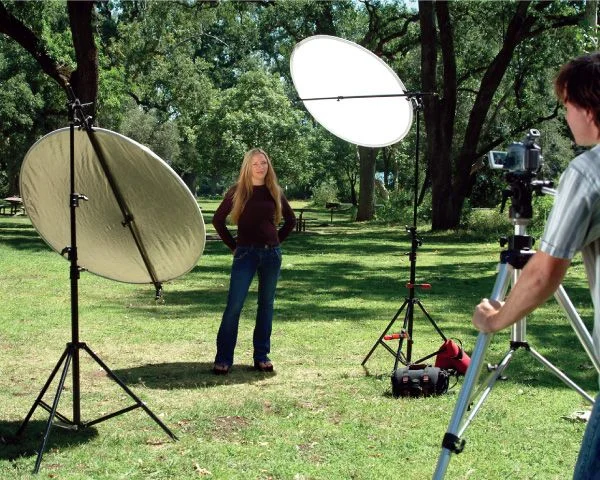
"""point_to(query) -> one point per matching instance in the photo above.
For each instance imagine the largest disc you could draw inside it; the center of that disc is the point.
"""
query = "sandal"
(265, 366)
(220, 369)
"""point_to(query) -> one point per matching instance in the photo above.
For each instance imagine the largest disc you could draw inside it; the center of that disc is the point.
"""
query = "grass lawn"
(320, 415)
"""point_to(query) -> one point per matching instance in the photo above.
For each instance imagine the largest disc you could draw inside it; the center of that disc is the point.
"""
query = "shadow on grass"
(28, 444)
(21, 236)
(170, 376)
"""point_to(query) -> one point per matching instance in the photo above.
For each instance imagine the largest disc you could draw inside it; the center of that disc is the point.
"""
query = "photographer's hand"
(538, 280)
(485, 314)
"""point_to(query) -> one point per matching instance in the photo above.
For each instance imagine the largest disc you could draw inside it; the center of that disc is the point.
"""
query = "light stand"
(512, 261)
(71, 352)
(406, 332)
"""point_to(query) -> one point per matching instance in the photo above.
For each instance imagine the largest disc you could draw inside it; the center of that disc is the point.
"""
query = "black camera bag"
(419, 381)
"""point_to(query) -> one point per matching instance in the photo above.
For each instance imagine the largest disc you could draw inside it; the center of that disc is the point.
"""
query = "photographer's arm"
(538, 281)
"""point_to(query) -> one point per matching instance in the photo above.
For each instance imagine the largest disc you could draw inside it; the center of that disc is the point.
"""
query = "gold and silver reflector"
(150, 231)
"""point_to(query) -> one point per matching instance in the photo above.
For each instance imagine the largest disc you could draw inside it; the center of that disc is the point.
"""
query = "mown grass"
(321, 415)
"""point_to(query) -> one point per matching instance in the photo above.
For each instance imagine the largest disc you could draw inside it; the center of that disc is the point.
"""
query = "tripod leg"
(387, 329)
(452, 443)
(560, 375)
(39, 398)
(580, 329)
(128, 391)
(486, 388)
(59, 390)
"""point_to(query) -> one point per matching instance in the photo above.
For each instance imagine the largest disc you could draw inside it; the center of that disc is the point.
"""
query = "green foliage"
(26, 99)
(325, 192)
(488, 188)
(398, 209)
(254, 113)
(146, 128)
(542, 204)
(485, 223)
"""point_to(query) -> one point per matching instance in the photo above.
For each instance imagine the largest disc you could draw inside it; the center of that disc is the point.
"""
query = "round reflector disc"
(333, 68)
(163, 212)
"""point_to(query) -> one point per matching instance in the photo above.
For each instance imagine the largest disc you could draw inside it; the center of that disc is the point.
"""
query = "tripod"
(512, 260)
(71, 353)
(406, 332)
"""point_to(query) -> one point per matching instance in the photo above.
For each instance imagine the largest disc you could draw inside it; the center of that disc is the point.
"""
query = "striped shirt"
(574, 223)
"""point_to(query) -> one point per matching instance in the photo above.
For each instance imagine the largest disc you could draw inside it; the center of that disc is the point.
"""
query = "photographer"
(573, 225)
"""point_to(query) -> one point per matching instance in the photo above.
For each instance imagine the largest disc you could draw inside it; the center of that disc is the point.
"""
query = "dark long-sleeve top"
(256, 225)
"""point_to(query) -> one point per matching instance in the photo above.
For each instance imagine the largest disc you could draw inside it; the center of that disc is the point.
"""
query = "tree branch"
(24, 36)
(516, 131)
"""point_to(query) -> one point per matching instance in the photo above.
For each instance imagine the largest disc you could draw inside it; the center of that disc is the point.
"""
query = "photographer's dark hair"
(578, 82)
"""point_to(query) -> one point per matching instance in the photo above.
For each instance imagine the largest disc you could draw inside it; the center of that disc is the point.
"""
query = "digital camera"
(520, 157)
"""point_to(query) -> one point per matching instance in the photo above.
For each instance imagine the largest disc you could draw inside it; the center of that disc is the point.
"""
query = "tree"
(147, 128)
(35, 57)
(84, 77)
(366, 201)
(382, 27)
(256, 112)
(481, 81)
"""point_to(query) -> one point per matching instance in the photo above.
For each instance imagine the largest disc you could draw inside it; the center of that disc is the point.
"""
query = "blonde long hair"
(244, 186)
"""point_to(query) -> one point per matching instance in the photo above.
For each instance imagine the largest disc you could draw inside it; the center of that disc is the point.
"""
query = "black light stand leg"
(139, 403)
(39, 400)
(381, 337)
(59, 390)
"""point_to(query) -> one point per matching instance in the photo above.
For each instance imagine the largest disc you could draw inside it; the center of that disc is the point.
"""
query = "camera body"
(520, 157)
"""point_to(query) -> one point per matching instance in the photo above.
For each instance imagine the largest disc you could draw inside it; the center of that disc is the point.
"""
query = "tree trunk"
(591, 15)
(450, 176)
(84, 79)
(191, 180)
(366, 196)
(439, 111)
(353, 196)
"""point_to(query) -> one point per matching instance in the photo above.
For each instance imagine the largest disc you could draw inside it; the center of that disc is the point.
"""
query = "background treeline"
(201, 82)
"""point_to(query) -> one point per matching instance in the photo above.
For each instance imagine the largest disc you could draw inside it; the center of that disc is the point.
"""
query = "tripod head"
(521, 187)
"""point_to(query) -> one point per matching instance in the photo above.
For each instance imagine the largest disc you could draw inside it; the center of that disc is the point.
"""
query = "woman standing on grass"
(257, 205)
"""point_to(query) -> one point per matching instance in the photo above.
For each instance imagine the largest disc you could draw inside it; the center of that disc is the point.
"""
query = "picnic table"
(15, 205)
(300, 220)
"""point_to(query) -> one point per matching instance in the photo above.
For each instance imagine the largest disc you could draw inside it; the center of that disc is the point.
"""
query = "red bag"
(451, 356)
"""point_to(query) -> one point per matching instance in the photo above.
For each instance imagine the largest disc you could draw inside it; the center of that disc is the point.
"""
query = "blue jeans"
(248, 261)
(588, 462)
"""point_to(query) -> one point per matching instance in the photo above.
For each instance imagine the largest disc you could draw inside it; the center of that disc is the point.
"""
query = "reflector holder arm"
(385, 95)
(127, 215)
